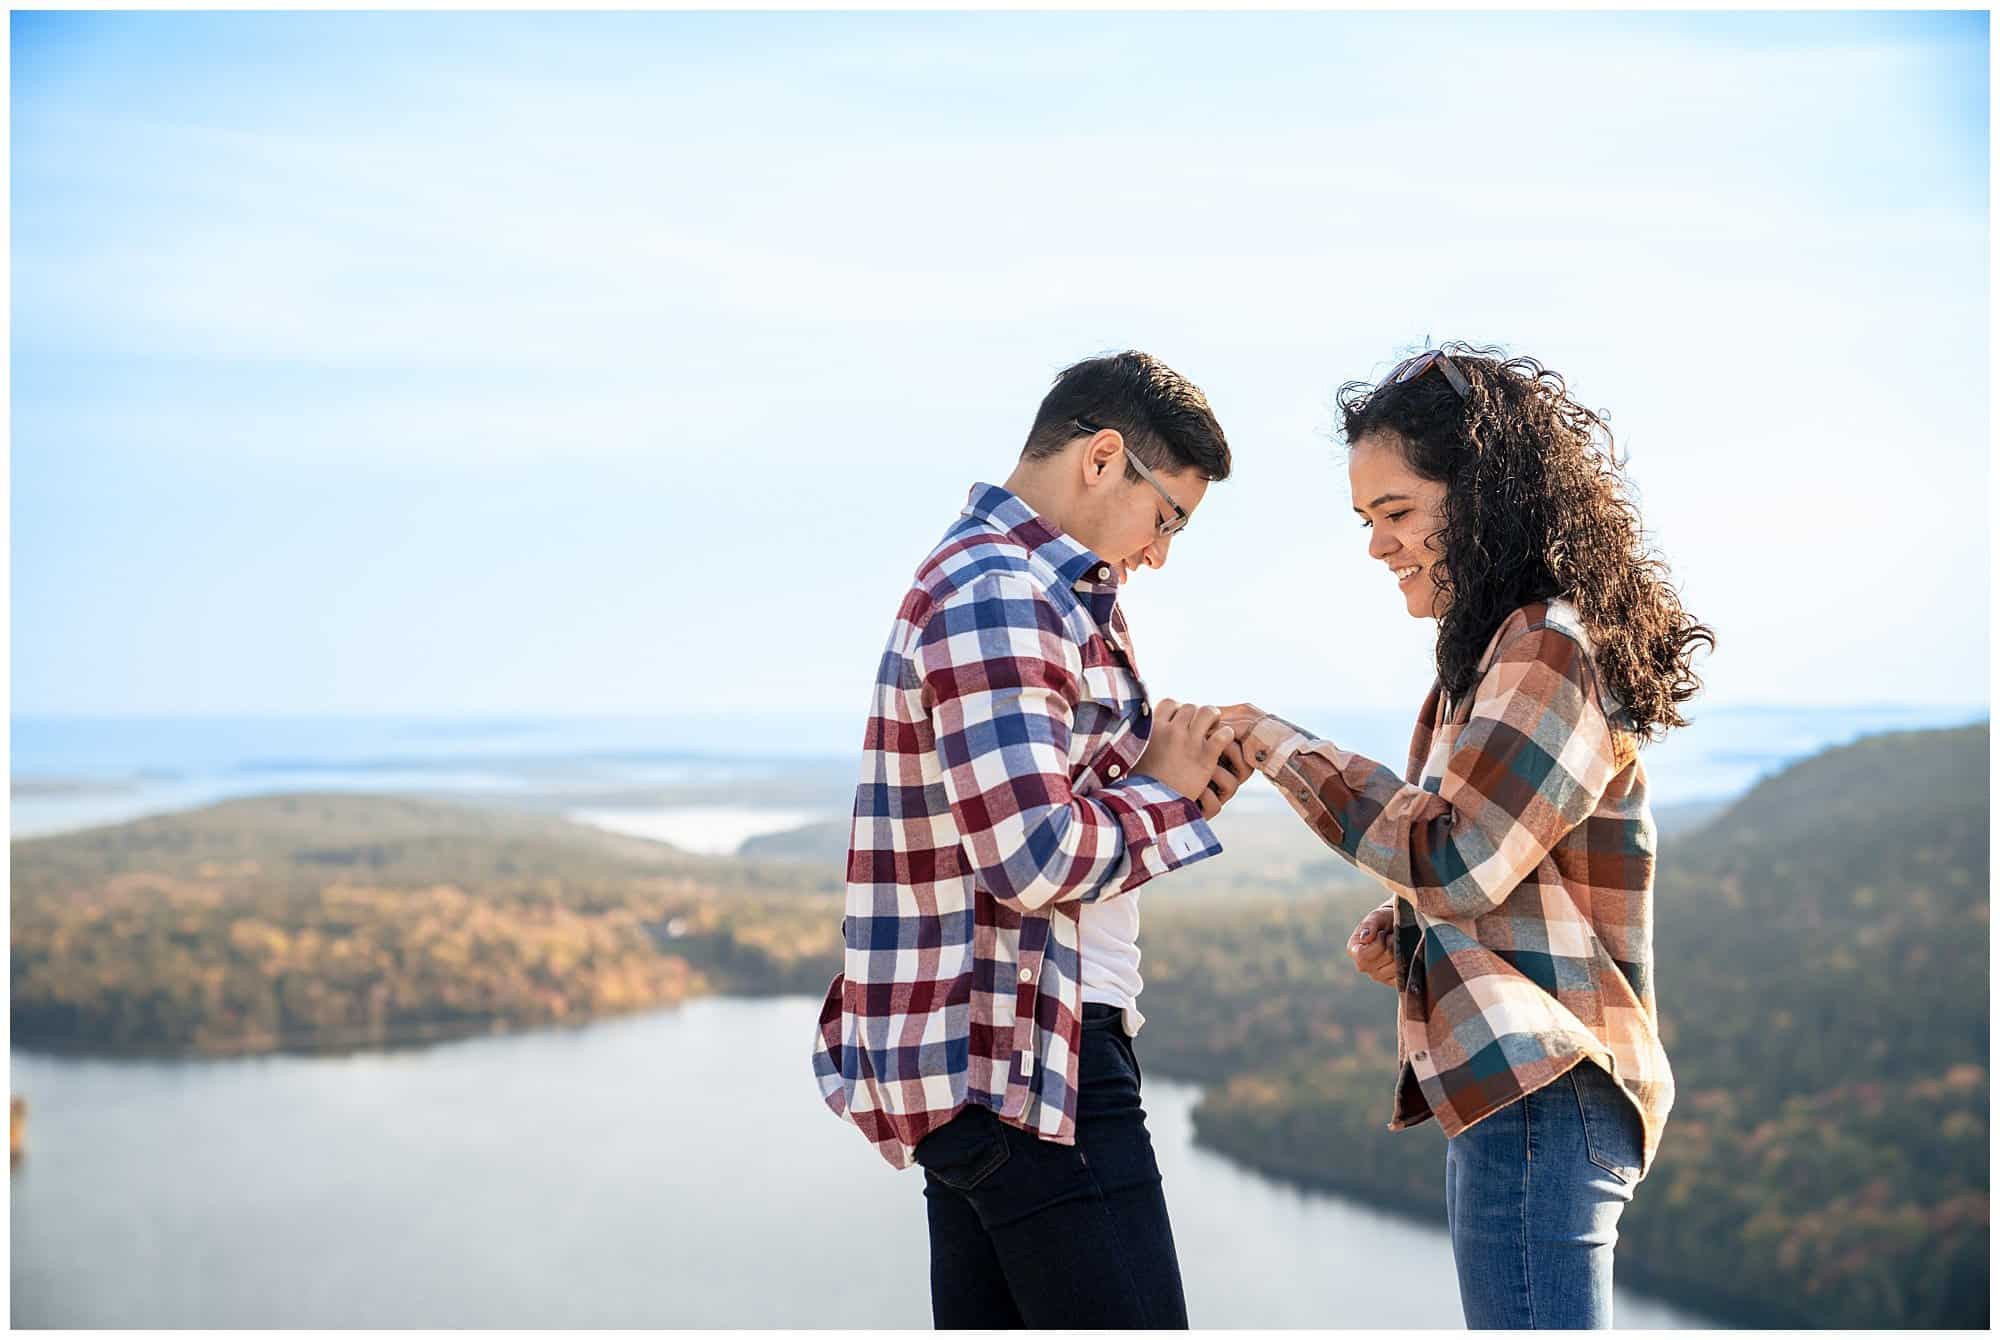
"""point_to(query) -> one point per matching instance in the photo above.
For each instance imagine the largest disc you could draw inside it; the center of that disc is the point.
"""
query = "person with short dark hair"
(1518, 848)
(1018, 789)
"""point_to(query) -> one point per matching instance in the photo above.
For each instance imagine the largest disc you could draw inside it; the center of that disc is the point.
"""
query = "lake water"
(711, 830)
(674, 1169)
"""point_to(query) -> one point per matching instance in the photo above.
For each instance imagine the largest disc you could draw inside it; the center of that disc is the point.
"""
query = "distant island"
(1822, 947)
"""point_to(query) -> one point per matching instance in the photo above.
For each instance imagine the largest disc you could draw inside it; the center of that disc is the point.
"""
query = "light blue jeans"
(1533, 1194)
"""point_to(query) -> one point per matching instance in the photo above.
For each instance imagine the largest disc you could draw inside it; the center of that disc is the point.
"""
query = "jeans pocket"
(965, 1151)
(1132, 1055)
(1107, 1080)
(1613, 1136)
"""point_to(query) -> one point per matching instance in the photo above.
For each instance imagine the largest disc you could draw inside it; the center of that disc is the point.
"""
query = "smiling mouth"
(1404, 574)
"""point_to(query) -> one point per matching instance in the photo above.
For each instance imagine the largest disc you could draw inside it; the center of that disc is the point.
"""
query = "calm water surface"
(667, 1170)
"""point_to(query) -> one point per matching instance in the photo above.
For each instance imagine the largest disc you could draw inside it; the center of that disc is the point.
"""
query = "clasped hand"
(1192, 752)
(1372, 946)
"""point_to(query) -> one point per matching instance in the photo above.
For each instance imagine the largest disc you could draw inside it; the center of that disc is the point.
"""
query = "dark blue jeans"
(1533, 1194)
(1029, 1233)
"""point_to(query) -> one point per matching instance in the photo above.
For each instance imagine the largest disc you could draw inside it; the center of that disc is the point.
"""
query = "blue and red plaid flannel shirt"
(996, 798)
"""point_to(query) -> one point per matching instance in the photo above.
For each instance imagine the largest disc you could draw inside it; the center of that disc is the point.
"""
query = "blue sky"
(628, 363)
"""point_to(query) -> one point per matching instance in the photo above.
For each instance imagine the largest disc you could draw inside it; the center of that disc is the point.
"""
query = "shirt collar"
(1073, 563)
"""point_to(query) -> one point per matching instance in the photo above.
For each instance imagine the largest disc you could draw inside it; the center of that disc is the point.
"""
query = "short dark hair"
(1164, 417)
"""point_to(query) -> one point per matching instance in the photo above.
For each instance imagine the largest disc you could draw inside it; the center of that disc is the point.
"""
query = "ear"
(1103, 458)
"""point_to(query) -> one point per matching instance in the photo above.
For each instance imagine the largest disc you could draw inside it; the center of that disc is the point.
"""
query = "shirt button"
(1104, 574)
(1027, 974)
(1145, 709)
(1416, 1056)
(1113, 770)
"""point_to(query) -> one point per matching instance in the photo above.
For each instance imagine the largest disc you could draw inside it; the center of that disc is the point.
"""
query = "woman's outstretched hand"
(1372, 948)
(1240, 717)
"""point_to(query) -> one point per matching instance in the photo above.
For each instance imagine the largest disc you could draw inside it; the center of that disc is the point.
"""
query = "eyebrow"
(1387, 497)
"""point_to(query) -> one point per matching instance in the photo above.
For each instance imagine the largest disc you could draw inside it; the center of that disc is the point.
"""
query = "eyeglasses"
(1181, 517)
(1412, 368)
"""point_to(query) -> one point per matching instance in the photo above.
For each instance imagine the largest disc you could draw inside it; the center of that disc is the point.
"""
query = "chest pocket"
(1103, 735)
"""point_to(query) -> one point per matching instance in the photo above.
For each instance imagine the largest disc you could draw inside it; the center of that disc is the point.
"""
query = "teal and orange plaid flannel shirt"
(1519, 856)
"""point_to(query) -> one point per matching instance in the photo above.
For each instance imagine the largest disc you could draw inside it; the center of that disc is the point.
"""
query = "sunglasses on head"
(1412, 368)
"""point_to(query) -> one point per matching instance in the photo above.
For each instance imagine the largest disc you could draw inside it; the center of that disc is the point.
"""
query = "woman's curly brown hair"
(1535, 507)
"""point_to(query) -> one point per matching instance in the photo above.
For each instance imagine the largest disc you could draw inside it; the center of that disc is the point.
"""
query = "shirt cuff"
(1272, 742)
(1163, 829)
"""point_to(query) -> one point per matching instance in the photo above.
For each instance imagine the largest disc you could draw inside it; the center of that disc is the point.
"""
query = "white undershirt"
(1109, 949)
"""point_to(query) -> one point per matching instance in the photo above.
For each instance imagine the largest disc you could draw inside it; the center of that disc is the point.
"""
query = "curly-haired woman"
(1519, 852)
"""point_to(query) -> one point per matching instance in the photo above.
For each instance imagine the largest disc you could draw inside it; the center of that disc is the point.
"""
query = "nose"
(1381, 543)
(1154, 555)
